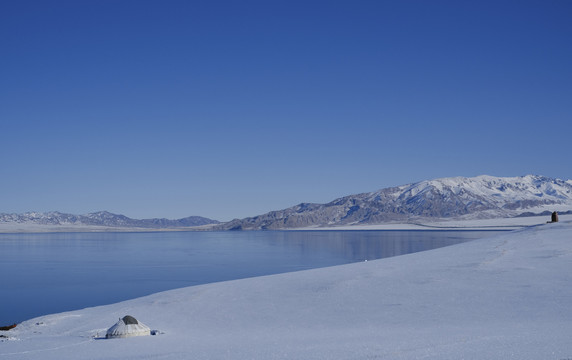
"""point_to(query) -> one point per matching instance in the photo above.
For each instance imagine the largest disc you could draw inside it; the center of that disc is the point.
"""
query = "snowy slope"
(488, 192)
(506, 297)
(478, 197)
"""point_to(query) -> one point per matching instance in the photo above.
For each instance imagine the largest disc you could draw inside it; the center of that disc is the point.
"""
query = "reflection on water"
(355, 246)
(47, 273)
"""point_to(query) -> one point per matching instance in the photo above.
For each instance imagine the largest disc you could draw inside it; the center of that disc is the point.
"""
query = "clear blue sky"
(234, 108)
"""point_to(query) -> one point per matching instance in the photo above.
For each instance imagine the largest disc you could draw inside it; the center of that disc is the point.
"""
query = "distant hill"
(456, 197)
(102, 218)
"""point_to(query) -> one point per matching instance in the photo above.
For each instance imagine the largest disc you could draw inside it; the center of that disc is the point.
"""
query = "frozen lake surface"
(56, 272)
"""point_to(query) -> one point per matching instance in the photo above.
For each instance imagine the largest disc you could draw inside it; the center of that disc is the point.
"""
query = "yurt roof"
(126, 327)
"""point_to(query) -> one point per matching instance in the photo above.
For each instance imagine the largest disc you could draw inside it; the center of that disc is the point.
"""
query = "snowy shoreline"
(514, 223)
(502, 297)
(445, 224)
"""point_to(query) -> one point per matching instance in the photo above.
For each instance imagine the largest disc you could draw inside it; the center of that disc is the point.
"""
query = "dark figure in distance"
(554, 217)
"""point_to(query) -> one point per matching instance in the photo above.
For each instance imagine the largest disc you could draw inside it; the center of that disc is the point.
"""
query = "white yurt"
(127, 327)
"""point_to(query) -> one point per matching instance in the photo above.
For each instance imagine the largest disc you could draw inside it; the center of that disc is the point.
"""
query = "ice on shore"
(497, 298)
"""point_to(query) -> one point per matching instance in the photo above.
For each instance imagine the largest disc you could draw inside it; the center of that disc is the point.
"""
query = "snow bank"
(422, 224)
(513, 223)
(497, 298)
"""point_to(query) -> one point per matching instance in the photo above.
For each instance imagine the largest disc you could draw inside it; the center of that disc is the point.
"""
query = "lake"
(54, 272)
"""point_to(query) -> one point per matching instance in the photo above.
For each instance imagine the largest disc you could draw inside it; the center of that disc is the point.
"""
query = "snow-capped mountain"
(456, 197)
(477, 197)
(102, 218)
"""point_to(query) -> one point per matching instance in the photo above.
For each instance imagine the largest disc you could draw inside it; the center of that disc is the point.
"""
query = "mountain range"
(447, 198)
(456, 197)
(102, 218)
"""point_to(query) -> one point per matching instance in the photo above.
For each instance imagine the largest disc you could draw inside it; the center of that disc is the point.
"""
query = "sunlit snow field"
(501, 297)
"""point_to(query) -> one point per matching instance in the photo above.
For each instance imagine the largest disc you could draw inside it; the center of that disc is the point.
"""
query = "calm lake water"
(48, 273)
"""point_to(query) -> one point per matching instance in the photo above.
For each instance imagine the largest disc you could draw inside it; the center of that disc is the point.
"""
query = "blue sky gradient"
(228, 109)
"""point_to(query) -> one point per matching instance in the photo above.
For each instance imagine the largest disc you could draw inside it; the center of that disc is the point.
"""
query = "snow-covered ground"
(452, 224)
(505, 297)
(424, 224)
(12, 228)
